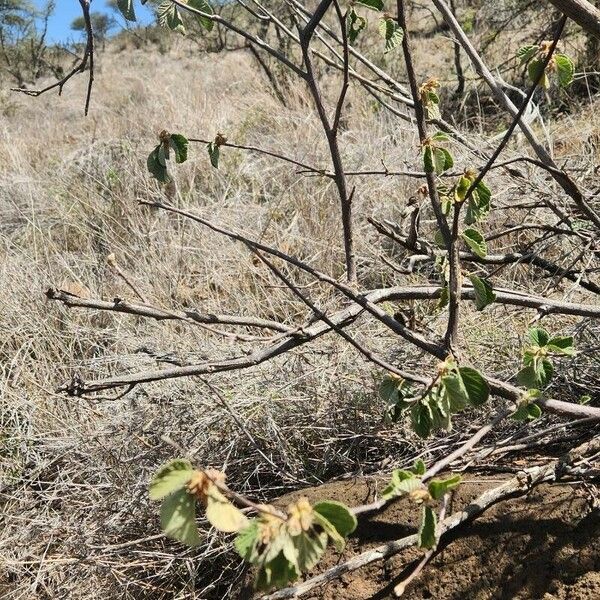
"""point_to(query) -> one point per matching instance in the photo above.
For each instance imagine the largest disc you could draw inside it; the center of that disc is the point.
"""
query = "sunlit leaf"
(439, 487)
(338, 514)
(178, 518)
(565, 69)
(245, 541)
(222, 514)
(538, 336)
(475, 241)
(562, 345)
(391, 33)
(402, 482)
(170, 478)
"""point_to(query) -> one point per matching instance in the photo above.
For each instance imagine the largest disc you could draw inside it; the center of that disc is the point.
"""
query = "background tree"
(24, 52)
(101, 22)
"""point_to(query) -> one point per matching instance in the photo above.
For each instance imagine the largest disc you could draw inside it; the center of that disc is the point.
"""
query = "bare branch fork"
(331, 127)
(361, 301)
(561, 177)
(80, 67)
(449, 234)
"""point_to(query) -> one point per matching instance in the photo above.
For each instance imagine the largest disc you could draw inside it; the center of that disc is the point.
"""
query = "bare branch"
(80, 67)
(520, 485)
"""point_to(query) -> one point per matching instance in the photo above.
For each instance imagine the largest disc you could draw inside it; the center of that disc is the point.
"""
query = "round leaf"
(178, 518)
(223, 515)
(478, 390)
(338, 514)
(170, 478)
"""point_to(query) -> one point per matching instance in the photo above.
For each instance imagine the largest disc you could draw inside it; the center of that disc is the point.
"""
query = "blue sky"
(59, 27)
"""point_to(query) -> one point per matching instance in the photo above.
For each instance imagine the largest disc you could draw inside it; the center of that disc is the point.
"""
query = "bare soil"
(540, 547)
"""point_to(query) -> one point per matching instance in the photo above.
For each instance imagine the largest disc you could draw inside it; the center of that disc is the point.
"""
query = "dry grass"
(76, 521)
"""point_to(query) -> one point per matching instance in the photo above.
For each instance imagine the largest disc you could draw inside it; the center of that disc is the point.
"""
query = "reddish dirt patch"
(541, 547)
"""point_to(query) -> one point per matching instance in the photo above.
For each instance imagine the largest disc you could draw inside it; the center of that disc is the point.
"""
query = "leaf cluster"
(560, 68)
(455, 389)
(538, 367)
(280, 546)
(409, 483)
(388, 29)
(157, 159)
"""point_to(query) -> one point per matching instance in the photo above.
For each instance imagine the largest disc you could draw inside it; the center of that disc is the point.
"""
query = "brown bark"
(582, 12)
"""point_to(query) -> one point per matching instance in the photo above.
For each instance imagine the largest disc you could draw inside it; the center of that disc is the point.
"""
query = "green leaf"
(245, 541)
(372, 4)
(446, 203)
(401, 482)
(178, 518)
(439, 487)
(310, 548)
(440, 136)
(526, 53)
(391, 33)
(462, 187)
(221, 514)
(457, 393)
(565, 69)
(338, 541)
(562, 344)
(478, 389)
(155, 166)
(214, 153)
(389, 388)
(126, 8)
(534, 411)
(204, 7)
(527, 377)
(475, 241)
(442, 160)
(484, 293)
(521, 414)
(479, 203)
(179, 143)
(535, 71)
(277, 572)
(485, 196)
(427, 528)
(163, 154)
(432, 106)
(421, 420)
(338, 514)
(444, 298)
(168, 16)
(170, 478)
(428, 163)
(536, 375)
(419, 467)
(392, 390)
(441, 409)
(545, 370)
(356, 24)
(538, 336)
(585, 399)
